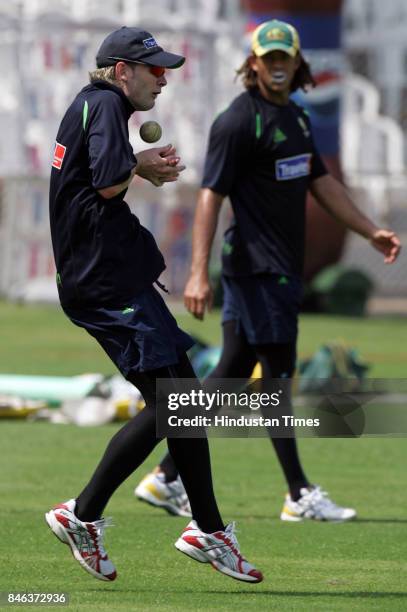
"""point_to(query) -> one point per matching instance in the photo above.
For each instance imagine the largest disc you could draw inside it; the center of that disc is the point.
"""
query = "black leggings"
(237, 360)
(238, 357)
(132, 444)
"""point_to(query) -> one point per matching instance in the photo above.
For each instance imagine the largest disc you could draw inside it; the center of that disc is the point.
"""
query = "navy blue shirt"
(263, 157)
(103, 255)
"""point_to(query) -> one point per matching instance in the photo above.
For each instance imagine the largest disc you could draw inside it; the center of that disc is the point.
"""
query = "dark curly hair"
(303, 78)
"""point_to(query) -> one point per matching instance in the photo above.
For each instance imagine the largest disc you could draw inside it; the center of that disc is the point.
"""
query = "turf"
(308, 566)
(41, 340)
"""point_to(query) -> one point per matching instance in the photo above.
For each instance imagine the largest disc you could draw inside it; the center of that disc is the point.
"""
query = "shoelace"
(231, 540)
(100, 526)
(318, 496)
(325, 501)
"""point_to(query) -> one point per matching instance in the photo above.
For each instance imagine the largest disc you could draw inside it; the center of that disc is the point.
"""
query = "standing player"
(262, 155)
(107, 264)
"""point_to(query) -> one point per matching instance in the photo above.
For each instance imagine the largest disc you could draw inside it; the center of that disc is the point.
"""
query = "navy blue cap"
(135, 45)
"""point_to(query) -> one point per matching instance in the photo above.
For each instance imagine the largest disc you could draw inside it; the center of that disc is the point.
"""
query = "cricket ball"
(150, 131)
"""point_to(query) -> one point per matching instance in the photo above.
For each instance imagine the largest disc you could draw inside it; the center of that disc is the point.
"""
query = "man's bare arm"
(198, 294)
(333, 197)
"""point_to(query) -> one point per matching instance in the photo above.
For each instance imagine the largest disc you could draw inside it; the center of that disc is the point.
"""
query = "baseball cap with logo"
(135, 45)
(275, 35)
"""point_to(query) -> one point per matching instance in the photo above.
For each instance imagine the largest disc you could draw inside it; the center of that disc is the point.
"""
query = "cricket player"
(107, 265)
(262, 155)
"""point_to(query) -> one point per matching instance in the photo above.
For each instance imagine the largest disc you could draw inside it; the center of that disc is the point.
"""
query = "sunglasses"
(157, 71)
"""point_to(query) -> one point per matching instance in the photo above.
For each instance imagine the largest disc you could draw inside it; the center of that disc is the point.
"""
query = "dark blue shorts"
(265, 306)
(142, 336)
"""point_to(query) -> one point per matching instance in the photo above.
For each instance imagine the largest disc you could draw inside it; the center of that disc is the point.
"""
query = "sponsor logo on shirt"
(149, 42)
(293, 167)
(59, 154)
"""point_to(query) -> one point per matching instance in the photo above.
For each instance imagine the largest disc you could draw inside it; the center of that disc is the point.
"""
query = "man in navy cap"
(107, 263)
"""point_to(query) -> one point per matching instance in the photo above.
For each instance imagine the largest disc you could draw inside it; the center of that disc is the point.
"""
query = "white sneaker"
(170, 496)
(85, 539)
(220, 549)
(314, 504)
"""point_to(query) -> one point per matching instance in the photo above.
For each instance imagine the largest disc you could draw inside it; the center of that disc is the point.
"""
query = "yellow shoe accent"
(154, 491)
(287, 510)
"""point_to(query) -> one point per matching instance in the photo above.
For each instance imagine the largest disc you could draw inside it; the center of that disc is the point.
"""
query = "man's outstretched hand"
(159, 165)
(388, 243)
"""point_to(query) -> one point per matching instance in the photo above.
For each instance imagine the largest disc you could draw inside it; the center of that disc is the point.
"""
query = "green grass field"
(308, 566)
(40, 340)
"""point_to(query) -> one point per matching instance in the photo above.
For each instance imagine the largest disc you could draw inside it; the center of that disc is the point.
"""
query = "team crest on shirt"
(59, 154)
(293, 167)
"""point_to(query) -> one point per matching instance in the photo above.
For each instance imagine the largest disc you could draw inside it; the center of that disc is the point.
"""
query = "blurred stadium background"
(358, 52)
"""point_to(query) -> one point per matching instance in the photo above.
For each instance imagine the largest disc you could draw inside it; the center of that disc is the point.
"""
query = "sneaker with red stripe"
(85, 539)
(220, 549)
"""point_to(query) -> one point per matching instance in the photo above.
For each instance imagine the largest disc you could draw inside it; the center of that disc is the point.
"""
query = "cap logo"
(150, 42)
(276, 34)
